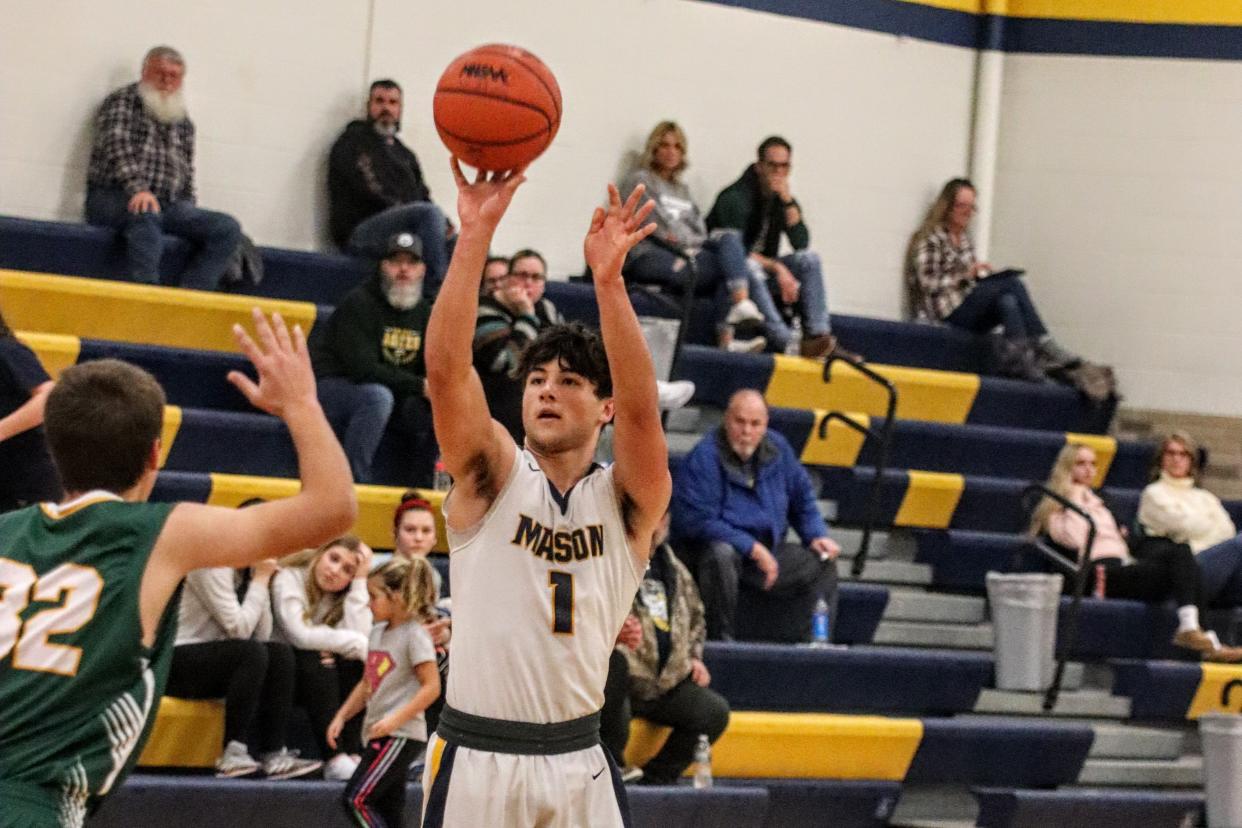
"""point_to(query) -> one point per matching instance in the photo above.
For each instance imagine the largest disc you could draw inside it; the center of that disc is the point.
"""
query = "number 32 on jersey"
(74, 588)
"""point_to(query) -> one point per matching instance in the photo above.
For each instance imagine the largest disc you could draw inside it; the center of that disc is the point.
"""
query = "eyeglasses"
(1176, 452)
(528, 275)
(777, 165)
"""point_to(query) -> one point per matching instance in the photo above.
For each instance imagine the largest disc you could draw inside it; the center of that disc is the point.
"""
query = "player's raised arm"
(464, 428)
(641, 466)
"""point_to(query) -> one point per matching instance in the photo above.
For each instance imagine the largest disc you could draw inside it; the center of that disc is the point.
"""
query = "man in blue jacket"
(736, 494)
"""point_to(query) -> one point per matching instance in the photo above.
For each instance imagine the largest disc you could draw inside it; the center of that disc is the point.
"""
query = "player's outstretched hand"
(485, 201)
(285, 375)
(615, 230)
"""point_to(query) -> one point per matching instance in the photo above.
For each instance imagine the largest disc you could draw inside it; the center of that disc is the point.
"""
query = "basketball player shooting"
(547, 547)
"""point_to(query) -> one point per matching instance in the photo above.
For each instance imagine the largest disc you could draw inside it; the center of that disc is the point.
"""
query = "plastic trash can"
(1024, 622)
(1222, 768)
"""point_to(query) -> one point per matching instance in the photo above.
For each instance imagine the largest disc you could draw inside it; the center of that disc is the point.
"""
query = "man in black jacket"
(376, 187)
(368, 360)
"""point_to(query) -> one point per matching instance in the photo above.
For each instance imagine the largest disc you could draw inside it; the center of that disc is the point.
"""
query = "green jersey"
(77, 686)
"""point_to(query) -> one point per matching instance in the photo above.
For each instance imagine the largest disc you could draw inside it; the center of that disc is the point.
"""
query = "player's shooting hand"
(483, 202)
(286, 379)
(766, 562)
(615, 230)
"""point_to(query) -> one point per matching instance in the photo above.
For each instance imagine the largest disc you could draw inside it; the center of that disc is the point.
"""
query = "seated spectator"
(667, 677)
(1176, 507)
(414, 532)
(735, 495)
(320, 604)
(29, 474)
(948, 284)
(141, 176)
(368, 360)
(494, 271)
(761, 207)
(1155, 569)
(376, 187)
(223, 651)
(719, 259)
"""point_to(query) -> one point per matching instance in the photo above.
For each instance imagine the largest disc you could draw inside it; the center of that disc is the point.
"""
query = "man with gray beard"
(368, 360)
(141, 176)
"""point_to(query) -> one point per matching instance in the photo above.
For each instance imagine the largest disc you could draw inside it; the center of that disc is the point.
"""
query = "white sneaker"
(673, 395)
(753, 345)
(235, 761)
(743, 311)
(285, 764)
(340, 768)
(630, 774)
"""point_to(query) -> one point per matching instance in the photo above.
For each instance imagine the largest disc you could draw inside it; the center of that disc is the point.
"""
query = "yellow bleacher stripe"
(186, 734)
(55, 351)
(840, 446)
(375, 503)
(968, 6)
(922, 394)
(1105, 450)
(1220, 691)
(930, 499)
(172, 425)
(1191, 12)
(144, 314)
(799, 745)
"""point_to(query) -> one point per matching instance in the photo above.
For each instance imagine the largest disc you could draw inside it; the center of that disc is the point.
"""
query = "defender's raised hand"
(285, 375)
(485, 201)
(615, 230)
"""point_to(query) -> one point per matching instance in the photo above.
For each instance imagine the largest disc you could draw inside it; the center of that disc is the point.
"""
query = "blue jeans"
(214, 234)
(1220, 570)
(721, 266)
(422, 218)
(358, 413)
(999, 300)
(812, 304)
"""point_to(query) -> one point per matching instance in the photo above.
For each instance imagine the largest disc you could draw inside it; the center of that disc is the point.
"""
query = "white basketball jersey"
(541, 587)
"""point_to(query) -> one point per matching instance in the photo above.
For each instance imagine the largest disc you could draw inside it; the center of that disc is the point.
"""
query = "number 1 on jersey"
(562, 586)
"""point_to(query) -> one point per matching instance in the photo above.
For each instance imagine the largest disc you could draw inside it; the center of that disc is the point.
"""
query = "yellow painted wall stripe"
(930, 499)
(841, 444)
(375, 503)
(172, 425)
(922, 394)
(1105, 450)
(100, 309)
(55, 351)
(1211, 696)
(799, 745)
(1192, 12)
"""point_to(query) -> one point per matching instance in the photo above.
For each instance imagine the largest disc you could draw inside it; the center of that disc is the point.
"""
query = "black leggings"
(1161, 570)
(375, 794)
(320, 690)
(255, 679)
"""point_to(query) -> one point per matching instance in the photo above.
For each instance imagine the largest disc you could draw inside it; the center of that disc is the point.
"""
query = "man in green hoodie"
(369, 362)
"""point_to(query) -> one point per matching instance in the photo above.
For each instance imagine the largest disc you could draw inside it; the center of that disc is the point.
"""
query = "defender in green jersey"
(88, 586)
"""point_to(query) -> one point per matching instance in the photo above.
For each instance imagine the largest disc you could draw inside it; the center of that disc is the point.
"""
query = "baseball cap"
(405, 243)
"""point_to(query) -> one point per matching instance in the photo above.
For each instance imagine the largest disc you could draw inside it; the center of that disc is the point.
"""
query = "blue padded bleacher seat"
(806, 802)
(1157, 689)
(786, 678)
(147, 801)
(191, 378)
(918, 345)
(961, 559)
(1026, 754)
(1108, 808)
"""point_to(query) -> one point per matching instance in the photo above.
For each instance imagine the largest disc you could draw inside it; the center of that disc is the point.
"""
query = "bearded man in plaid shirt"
(141, 177)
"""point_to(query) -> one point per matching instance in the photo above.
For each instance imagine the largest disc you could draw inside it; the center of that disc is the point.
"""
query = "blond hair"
(937, 214)
(647, 160)
(1060, 480)
(412, 581)
(308, 559)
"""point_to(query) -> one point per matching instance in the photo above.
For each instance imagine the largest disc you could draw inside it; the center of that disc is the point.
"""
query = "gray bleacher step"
(913, 605)
(681, 442)
(886, 544)
(894, 572)
(923, 805)
(1074, 703)
(1122, 741)
(946, 636)
(1184, 772)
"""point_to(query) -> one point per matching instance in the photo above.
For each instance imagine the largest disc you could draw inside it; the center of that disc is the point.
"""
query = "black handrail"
(1079, 572)
(884, 438)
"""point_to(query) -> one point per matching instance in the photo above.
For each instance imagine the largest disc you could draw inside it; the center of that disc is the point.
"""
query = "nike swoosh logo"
(601, 770)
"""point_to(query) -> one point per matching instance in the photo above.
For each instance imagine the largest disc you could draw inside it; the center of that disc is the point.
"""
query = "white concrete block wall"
(1119, 188)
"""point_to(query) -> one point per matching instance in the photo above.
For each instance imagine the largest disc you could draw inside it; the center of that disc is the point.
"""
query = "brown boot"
(825, 345)
(1196, 640)
(1225, 655)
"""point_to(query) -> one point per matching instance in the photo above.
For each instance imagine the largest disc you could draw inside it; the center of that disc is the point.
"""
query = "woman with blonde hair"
(320, 604)
(948, 284)
(1154, 570)
(1175, 506)
(748, 319)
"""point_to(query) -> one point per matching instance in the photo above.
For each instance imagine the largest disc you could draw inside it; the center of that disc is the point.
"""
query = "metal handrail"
(884, 438)
(1079, 572)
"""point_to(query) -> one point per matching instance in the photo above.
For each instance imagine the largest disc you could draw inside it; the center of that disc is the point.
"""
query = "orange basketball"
(497, 107)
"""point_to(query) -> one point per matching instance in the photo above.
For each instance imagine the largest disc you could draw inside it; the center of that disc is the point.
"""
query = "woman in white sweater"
(320, 602)
(1175, 506)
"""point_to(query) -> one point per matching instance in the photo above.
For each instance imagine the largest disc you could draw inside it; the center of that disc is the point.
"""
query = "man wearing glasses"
(761, 206)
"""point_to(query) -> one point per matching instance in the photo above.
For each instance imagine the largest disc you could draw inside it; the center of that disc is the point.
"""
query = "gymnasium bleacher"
(902, 727)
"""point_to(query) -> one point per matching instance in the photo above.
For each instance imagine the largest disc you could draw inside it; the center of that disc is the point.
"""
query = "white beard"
(403, 297)
(386, 130)
(167, 108)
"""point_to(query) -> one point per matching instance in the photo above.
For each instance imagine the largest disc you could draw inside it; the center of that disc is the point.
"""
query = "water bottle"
(819, 624)
(703, 762)
(442, 479)
(794, 347)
